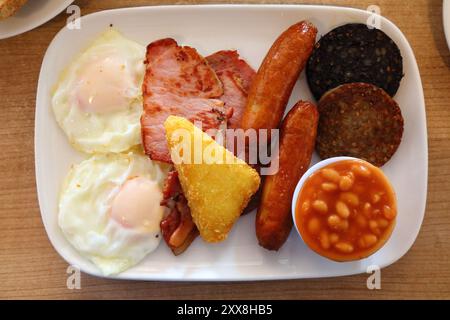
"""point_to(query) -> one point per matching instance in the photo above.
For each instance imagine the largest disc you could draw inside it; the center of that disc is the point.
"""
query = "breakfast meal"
(346, 210)
(359, 120)
(298, 135)
(98, 99)
(9, 7)
(354, 53)
(152, 122)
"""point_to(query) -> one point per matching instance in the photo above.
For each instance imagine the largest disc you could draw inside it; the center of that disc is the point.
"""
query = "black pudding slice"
(354, 53)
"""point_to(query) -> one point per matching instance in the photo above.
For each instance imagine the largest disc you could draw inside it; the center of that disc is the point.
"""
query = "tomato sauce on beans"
(346, 211)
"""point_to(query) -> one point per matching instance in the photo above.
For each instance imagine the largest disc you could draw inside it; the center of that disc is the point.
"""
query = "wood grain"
(31, 268)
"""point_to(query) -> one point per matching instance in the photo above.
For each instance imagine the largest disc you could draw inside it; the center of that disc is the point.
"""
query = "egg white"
(114, 131)
(84, 210)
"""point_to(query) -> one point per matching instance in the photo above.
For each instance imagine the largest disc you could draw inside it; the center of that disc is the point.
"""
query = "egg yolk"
(137, 205)
(104, 85)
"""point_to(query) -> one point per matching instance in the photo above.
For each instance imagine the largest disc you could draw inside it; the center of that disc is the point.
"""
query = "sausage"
(273, 84)
(276, 77)
(297, 140)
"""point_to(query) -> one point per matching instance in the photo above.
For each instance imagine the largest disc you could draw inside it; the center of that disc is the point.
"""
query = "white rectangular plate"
(251, 29)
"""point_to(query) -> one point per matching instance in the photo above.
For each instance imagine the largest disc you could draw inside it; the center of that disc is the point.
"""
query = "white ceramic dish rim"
(40, 178)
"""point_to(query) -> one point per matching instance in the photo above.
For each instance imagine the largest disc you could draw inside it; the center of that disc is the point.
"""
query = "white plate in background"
(31, 15)
(251, 29)
(446, 19)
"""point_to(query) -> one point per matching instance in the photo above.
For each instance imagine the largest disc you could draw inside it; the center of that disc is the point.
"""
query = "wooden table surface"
(31, 268)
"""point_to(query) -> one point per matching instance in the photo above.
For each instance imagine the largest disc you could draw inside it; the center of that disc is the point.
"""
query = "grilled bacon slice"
(177, 227)
(178, 81)
(236, 76)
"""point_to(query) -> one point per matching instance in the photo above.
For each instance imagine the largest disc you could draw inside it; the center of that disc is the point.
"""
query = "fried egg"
(97, 100)
(109, 209)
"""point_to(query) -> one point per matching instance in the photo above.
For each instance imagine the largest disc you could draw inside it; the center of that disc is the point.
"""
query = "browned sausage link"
(297, 139)
(276, 77)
